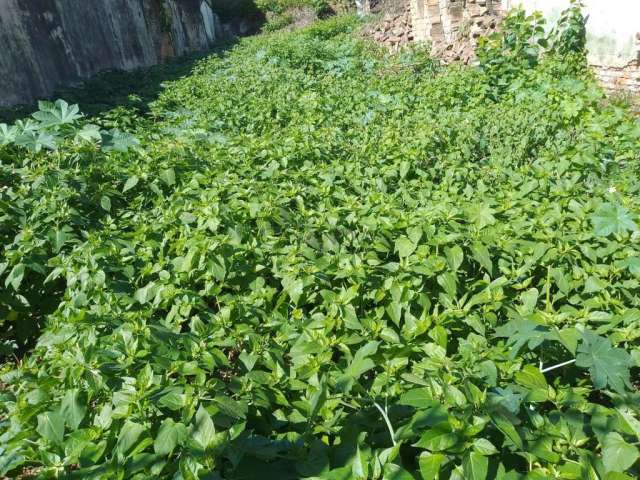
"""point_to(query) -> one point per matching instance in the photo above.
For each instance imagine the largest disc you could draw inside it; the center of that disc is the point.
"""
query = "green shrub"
(277, 23)
(281, 7)
(311, 259)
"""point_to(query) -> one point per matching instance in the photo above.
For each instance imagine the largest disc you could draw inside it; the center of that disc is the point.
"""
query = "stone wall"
(625, 78)
(619, 79)
(446, 20)
(50, 43)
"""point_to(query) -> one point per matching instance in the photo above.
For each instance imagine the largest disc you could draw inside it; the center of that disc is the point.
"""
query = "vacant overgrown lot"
(312, 260)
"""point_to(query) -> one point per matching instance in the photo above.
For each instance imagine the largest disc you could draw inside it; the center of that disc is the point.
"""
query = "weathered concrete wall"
(48, 43)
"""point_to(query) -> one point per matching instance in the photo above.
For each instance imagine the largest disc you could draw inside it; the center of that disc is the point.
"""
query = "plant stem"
(389, 426)
(553, 367)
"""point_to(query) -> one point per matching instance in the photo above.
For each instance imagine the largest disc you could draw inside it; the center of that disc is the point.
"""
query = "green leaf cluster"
(319, 261)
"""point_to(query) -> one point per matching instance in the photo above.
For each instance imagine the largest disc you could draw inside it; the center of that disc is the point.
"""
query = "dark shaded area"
(229, 10)
(113, 96)
(50, 43)
(115, 88)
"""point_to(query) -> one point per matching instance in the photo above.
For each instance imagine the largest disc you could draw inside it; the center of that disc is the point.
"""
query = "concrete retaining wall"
(49, 43)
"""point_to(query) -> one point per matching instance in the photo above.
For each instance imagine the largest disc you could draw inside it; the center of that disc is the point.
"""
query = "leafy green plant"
(570, 34)
(312, 259)
(281, 13)
(277, 23)
(33, 231)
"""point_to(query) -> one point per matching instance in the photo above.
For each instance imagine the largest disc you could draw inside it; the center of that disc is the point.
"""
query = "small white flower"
(612, 189)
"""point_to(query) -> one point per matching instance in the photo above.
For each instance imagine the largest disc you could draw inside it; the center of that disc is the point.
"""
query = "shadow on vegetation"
(104, 95)
(134, 89)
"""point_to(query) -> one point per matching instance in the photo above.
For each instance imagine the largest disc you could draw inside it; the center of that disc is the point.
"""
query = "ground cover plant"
(309, 259)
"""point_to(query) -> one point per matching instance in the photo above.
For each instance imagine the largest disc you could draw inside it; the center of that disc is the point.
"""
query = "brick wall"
(619, 79)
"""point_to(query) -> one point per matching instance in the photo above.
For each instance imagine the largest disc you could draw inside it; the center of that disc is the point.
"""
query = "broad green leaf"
(294, 288)
(15, 277)
(173, 400)
(418, 397)
(481, 215)
(60, 237)
(617, 454)
(607, 365)
(396, 472)
(529, 301)
(145, 294)
(248, 360)
(168, 176)
(36, 141)
(55, 114)
(88, 134)
(475, 466)
(594, 284)
(569, 337)
(188, 218)
(430, 465)
(520, 332)
(633, 264)
(131, 182)
(437, 439)
(7, 134)
(484, 447)
(203, 432)
(51, 427)
(507, 428)
(169, 436)
(481, 255)
(394, 310)
(360, 465)
(104, 417)
(105, 203)
(233, 408)
(361, 362)
(631, 420)
(117, 141)
(405, 247)
(128, 437)
(73, 408)
(455, 257)
(531, 378)
(449, 282)
(612, 218)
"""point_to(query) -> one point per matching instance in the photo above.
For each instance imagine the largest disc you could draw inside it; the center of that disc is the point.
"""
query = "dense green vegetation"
(309, 259)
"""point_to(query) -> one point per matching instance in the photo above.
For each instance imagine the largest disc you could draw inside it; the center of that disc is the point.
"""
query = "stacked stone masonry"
(615, 79)
(447, 20)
